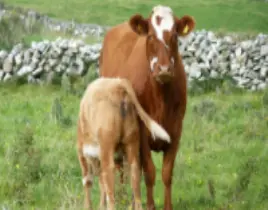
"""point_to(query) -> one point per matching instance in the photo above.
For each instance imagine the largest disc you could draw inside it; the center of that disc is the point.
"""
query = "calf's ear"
(185, 25)
(139, 25)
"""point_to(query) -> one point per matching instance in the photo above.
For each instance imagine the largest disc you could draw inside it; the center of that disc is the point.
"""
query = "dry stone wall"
(44, 59)
(204, 55)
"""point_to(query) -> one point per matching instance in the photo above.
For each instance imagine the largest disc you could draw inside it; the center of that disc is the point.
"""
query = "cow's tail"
(155, 129)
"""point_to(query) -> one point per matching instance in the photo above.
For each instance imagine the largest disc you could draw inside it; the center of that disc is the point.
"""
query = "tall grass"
(221, 163)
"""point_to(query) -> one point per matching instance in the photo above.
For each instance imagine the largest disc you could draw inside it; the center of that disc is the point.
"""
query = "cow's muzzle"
(164, 76)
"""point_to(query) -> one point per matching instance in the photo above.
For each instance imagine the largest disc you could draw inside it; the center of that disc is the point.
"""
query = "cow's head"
(162, 29)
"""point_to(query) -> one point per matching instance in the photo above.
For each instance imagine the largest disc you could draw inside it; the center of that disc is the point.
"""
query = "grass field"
(222, 162)
(218, 15)
(223, 149)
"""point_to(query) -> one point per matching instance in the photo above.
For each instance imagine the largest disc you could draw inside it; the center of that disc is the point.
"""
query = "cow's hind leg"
(132, 150)
(86, 180)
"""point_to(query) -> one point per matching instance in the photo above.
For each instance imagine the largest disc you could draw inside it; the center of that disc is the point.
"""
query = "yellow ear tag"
(186, 29)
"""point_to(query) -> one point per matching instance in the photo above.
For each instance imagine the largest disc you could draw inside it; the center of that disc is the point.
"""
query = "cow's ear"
(185, 25)
(139, 24)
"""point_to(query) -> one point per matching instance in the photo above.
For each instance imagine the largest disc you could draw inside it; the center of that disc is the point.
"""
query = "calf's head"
(162, 29)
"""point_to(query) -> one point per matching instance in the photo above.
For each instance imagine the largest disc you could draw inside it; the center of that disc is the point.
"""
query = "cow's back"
(117, 47)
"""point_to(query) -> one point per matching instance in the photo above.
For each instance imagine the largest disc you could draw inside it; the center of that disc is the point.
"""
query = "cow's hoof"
(151, 207)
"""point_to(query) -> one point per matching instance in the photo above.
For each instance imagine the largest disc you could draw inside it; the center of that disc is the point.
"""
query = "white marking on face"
(166, 23)
(163, 68)
(172, 60)
(91, 151)
(153, 61)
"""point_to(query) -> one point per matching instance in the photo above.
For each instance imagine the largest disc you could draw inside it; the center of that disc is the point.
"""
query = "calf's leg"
(87, 180)
(102, 194)
(107, 173)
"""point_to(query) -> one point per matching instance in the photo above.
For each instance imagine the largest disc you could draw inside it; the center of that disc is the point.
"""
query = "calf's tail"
(157, 131)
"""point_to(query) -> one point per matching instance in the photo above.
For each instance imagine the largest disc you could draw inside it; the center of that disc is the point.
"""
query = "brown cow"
(145, 51)
(108, 124)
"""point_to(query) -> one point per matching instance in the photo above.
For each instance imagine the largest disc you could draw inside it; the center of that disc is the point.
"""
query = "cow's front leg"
(167, 171)
(149, 171)
(149, 174)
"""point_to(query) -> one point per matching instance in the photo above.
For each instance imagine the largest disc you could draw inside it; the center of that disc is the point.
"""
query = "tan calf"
(108, 123)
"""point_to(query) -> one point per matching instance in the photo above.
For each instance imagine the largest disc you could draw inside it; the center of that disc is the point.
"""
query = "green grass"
(224, 146)
(224, 15)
